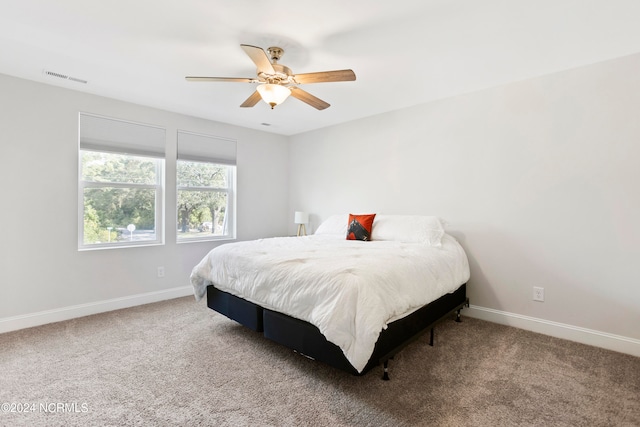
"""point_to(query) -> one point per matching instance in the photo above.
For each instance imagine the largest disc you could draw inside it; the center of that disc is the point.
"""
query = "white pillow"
(334, 225)
(409, 229)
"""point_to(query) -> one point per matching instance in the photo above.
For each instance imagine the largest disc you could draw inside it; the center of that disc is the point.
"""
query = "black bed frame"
(306, 339)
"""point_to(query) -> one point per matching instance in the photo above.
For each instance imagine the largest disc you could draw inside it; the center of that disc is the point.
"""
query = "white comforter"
(349, 289)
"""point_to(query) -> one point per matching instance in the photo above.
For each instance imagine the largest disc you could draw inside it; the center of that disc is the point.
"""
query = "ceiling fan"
(277, 82)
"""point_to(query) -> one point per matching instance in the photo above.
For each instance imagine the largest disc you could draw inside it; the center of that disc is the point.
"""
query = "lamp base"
(302, 231)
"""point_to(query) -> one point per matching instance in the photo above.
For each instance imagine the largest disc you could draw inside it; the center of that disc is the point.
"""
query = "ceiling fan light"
(273, 94)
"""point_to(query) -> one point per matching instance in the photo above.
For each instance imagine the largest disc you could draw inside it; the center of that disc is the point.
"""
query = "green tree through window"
(119, 190)
(204, 191)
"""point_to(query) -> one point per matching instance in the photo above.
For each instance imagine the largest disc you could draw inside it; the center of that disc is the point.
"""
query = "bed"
(352, 301)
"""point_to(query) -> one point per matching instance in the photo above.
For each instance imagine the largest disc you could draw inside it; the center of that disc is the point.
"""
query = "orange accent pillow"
(360, 226)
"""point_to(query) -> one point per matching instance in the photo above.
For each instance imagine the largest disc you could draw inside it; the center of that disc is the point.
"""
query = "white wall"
(539, 180)
(43, 277)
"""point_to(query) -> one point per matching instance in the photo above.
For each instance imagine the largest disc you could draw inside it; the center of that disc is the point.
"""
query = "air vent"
(75, 79)
(63, 76)
(51, 73)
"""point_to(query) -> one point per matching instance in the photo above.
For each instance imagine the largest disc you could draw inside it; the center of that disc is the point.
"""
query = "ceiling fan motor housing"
(283, 75)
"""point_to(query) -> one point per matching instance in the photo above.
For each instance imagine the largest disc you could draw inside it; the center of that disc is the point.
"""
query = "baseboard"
(65, 313)
(559, 330)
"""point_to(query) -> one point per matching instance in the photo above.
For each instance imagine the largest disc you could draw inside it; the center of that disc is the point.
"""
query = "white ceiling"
(403, 52)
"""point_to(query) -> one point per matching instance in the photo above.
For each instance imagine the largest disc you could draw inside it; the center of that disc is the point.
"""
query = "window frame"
(159, 187)
(215, 150)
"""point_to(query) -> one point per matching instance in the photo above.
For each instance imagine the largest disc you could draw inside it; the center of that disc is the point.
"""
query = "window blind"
(117, 136)
(205, 148)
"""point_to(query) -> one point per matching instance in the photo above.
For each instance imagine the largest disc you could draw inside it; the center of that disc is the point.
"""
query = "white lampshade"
(301, 217)
(273, 94)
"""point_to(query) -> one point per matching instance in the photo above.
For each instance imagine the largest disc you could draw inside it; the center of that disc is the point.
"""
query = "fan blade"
(306, 97)
(326, 76)
(260, 58)
(252, 100)
(220, 79)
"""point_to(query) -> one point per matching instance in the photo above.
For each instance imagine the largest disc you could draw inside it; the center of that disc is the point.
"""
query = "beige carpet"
(178, 363)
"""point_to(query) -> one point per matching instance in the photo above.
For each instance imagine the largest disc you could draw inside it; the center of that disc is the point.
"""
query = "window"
(205, 187)
(121, 175)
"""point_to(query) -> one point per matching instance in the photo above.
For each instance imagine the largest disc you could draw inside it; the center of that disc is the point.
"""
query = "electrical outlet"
(538, 293)
(160, 271)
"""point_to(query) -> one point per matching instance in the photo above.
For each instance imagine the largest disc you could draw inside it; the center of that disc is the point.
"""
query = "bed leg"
(431, 338)
(458, 317)
(385, 375)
